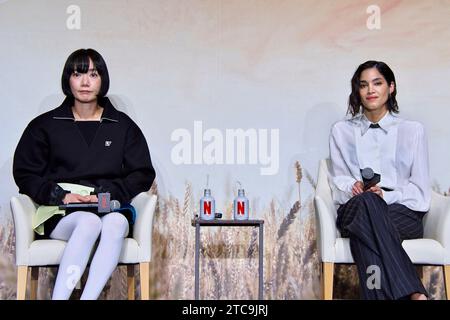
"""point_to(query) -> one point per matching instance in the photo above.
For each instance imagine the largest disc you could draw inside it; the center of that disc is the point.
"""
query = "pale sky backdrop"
(231, 64)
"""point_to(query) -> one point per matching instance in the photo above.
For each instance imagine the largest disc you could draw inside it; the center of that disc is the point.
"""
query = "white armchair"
(433, 249)
(32, 253)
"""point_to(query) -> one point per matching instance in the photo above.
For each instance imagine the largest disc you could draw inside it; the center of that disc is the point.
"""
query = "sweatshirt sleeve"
(31, 159)
(138, 172)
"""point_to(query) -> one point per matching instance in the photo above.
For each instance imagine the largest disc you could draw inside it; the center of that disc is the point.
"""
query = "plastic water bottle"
(207, 206)
(240, 206)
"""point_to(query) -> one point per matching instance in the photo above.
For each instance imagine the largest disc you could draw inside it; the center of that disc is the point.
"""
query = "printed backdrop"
(235, 90)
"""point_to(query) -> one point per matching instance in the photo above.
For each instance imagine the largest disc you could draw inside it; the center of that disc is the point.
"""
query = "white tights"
(81, 230)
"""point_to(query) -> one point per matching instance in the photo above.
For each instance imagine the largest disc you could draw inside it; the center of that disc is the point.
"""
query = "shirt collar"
(64, 111)
(385, 123)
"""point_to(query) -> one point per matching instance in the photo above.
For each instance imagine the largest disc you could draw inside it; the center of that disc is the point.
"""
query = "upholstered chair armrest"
(437, 220)
(23, 209)
(326, 228)
(142, 232)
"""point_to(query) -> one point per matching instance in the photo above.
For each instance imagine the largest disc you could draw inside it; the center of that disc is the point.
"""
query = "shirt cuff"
(392, 196)
(342, 189)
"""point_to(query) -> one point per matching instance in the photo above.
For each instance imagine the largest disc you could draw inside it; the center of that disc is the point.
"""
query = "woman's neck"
(375, 116)
(90, 111)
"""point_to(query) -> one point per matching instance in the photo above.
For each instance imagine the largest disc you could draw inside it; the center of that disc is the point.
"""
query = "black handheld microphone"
(370, 178)
(104, 205)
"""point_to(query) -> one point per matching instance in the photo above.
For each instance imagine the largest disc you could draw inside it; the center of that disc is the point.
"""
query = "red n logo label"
(240, 207)
(207, 207)
(103, 202)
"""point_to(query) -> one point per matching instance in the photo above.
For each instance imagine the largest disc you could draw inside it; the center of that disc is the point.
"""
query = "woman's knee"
(358, 203)
(115, 224)
(363, 197)
(88, 224)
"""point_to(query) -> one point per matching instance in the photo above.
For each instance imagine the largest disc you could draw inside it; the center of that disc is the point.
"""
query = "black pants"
(376, 231)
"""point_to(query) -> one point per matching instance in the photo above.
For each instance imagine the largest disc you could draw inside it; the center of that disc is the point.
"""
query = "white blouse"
(397, 151)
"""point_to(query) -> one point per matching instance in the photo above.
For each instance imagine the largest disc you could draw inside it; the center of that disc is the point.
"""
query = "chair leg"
(130, 281)
(144, 270)
(22, 274)
(447, 281)
(34, 282)
(327, 280)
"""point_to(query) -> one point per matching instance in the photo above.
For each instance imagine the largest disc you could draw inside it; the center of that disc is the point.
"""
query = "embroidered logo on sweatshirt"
(108, 143)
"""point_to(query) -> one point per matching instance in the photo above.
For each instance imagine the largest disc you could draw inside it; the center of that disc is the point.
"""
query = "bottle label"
(241, 207)
(207, 207)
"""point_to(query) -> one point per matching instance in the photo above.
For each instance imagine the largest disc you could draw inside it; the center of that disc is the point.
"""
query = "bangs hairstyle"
(79, 61)
(354, 100)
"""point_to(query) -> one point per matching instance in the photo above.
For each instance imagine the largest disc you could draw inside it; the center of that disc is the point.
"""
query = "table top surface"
(226, 223)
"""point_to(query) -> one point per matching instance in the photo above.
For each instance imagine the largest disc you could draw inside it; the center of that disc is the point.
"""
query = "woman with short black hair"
(73, 153)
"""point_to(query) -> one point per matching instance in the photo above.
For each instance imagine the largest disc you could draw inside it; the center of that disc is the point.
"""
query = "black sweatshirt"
(52, 149)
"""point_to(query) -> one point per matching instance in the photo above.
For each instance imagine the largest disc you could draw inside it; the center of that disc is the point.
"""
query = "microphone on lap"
(114, 205)
(103, 206)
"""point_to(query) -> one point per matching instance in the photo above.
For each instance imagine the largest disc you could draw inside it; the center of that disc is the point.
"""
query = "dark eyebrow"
(376, 79)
